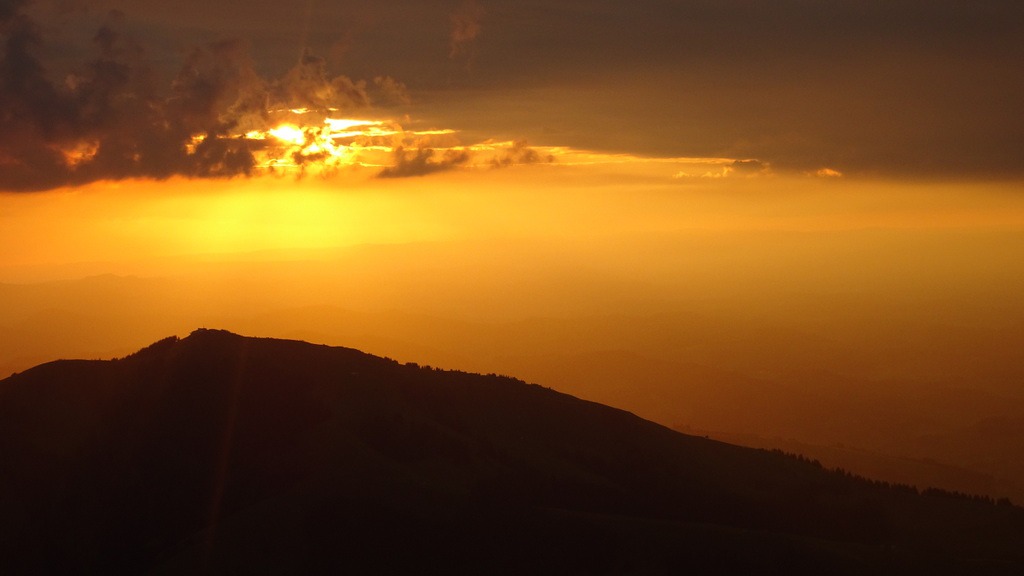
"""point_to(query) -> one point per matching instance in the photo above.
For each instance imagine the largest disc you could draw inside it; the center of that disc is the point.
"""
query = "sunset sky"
(791, 219)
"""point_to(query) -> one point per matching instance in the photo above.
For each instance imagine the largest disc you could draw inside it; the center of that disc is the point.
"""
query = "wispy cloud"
(465, 28)
(423, 161)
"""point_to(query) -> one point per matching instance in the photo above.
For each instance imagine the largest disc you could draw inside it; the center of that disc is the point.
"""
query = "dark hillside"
(228, 454)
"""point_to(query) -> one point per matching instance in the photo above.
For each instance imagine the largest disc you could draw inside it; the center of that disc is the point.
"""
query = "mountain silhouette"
(218, 453)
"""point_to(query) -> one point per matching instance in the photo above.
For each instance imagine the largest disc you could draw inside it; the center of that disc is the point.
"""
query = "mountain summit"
(218, 453)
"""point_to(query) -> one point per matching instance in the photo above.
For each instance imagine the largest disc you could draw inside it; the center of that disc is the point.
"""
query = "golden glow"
(323, 146)
(342, 124)
(317, 142)
(276, 216)
(194, 143)
(289, 134)
(144, 220)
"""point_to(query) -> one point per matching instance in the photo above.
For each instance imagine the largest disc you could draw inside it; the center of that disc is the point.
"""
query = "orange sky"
(805, 224)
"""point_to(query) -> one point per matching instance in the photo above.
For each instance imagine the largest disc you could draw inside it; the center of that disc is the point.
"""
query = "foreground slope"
(221, 453)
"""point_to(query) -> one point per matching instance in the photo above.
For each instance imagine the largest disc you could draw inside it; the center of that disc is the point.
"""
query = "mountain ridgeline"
(218, 453)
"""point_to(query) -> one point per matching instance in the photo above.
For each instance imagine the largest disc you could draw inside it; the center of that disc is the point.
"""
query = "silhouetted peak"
(309, 447)
(213, 334)
(202, 338)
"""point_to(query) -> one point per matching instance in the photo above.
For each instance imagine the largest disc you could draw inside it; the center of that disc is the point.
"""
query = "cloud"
(10, 8)
(520, 153)
(748, 167)
(391, 92)
(465, 28)
(426, 160)
(307, 85)
(217, 90)
(32, 111)
(112, 119)
(725, 168)
(422, 162)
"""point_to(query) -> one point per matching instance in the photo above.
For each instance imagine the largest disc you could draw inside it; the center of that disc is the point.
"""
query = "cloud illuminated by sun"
(318, 142)
(220, 119)
(310, 142)
(305, 142)
(325, 143)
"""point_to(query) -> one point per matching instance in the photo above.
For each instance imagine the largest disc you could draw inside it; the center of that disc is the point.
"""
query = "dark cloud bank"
(893, 88)
(117, 117)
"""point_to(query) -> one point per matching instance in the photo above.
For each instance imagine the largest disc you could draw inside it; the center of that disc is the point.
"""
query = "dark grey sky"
(896, 88)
